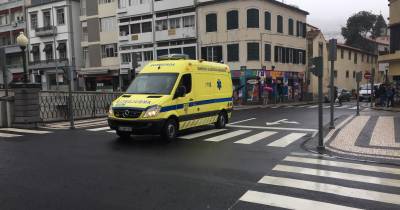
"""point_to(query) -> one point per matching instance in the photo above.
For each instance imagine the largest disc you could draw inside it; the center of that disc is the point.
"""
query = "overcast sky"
(330, 16)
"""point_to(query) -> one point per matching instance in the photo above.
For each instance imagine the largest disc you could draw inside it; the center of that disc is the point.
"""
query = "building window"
(354, 74)
(148, 55)
(109, 50)
(146, 27)
(46, 18)
(4, 19)
(211, 22)
(188, 21)
(349, 55)
(190, 51)
(253, 18)
(35, 53)
(124, 30)
(290, 23)
(347, 74)
(125, 58)
(121, 4)
(279, 22)
(161, 25)
(362, 57)
(174, 23)
(335, 74)
(62, 50)
(355, 58)
(253, 51)
(175, 51)
(341, 53)
(267, 52)
(232, 50)
(34, 21)
(135, 28)
(83, 7)
(60, 16)
(48, 49)
(320, 49)
(105, 1)
(267, 20)
(85, 35)
(232, 20)
(212, 53)
(108, 24)
(85, 60)
(162, 52)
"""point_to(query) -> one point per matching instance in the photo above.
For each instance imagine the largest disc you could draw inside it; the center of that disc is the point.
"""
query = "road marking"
(99, 129)
(18, 130)
(330, 134)
(227, 136)
(237, 122)
(8, 135)
(383, 134)
(90, 124)
(312, 107)
(274, 107)
(202, 133)
(326, 107)
(62, 124)
(281, 121)
(287, 140)
(354, 107)
(112, 131)
(338, 175)
(255, 138)
(332, 189)
(343, 107)
(288, 202)
(273, 128)
(302, 106)
(332, 163)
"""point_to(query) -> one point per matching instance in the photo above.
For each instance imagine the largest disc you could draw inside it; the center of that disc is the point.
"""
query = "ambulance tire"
(170, 130)
(221, 120)
(123, 135)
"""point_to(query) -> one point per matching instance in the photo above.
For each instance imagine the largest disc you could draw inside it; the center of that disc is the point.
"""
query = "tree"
(358, 28)
(380, 27)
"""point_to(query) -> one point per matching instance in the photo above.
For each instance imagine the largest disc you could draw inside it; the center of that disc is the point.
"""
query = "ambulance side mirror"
(180, 92)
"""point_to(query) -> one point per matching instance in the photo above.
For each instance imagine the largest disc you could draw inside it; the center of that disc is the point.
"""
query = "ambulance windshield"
(155, 83)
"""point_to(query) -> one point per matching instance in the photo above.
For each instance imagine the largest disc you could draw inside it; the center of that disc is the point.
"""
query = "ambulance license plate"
(126, 129)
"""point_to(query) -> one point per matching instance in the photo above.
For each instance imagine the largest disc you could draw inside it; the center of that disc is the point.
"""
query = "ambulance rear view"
(172, 95)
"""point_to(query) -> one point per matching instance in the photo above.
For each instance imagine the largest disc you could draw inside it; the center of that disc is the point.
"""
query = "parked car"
(365, 92)
(344, 94)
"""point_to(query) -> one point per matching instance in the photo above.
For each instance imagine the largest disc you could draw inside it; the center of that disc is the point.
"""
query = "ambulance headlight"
(110, 111)
(152, 111)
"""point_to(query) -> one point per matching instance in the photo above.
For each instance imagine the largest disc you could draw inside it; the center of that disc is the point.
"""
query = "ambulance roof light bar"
(173, 57)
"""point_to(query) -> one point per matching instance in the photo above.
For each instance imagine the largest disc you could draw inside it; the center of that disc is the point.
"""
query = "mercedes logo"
(125, 113)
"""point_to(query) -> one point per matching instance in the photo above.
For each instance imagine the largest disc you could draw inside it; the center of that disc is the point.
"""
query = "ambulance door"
(185, 110)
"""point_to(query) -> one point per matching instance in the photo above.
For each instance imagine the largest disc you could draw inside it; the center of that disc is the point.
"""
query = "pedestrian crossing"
(78, 124)
(17, 132)
(294, 182)
(315, 106)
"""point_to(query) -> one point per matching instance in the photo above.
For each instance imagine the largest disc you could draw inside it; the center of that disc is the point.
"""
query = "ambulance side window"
(186, 81)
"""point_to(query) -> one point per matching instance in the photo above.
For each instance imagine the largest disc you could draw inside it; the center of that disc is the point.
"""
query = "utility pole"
(358, 80)
(4, 68)
(317, 68)
(372, 87)
(70, 71)
(332, 58)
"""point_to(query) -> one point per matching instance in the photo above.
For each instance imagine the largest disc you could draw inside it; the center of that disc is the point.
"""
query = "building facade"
(152, 28)
(263, 42)
(12, 22)
(393, 57)
(99, 40)
(54, 43)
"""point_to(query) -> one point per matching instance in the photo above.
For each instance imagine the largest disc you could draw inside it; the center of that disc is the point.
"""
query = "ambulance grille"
(127, 113)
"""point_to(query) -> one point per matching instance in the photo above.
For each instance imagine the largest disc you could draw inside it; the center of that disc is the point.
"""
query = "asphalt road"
(82, 169)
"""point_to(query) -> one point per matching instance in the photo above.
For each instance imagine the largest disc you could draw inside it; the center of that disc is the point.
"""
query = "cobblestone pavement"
(371, 135)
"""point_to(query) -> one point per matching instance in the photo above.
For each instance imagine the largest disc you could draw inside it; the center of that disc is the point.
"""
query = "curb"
(246, 107)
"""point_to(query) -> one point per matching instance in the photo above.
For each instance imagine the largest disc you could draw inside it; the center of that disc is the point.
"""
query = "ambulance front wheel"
(221, 121)
(170, 130)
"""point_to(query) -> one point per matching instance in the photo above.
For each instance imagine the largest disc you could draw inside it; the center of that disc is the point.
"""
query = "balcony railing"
(49, 62)
(46, 31)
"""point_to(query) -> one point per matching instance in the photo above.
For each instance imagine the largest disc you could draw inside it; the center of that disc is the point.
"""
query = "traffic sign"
(367, 75)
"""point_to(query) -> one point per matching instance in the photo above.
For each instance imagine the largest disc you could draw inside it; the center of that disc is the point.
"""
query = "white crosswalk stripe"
(309, 167)
(99, 129)
(18, 132)
(254, 138)
(8, 135)
(312, 107)
(202, 133)
(227, 136)
(287, 140)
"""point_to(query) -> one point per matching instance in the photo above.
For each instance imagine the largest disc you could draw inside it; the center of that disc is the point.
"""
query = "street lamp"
(22, 41)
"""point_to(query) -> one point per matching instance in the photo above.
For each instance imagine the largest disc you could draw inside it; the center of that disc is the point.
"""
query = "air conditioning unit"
(135, 37)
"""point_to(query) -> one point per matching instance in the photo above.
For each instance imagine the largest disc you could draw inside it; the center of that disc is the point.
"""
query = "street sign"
(367, 75)
(358, 76)
(332, 50)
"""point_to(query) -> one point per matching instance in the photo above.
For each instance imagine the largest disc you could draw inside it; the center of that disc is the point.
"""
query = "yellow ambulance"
(171, 95)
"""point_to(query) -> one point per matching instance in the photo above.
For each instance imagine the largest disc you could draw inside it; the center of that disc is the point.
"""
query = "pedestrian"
(382, 93)
(377, 95)
(390, 96)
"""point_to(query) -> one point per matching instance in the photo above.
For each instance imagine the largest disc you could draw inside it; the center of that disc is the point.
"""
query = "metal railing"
(54, 105)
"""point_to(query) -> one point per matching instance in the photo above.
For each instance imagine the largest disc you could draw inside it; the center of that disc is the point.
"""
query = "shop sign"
(275, 74)
(252, 81)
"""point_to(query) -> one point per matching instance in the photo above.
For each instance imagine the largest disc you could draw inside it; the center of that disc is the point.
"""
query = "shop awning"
(61, 46)
(48, 47)
(35, 49)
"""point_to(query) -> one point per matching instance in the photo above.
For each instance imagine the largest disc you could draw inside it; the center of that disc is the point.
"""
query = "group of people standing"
(385, 94)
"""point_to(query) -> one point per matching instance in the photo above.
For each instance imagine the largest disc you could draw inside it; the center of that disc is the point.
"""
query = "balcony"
(46, 31)
(49, 63)
(178, 33)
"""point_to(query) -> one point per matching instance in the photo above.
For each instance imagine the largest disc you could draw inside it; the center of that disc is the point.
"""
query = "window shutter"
(276, 53)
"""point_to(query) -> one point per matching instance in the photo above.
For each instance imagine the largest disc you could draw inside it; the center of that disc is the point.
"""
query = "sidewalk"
(245, 107)
(372, 136)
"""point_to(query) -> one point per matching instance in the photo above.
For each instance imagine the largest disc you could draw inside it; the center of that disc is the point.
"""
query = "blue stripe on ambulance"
(196, 103)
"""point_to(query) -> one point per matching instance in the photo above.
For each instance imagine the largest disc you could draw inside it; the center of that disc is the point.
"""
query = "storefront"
(249, 86)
